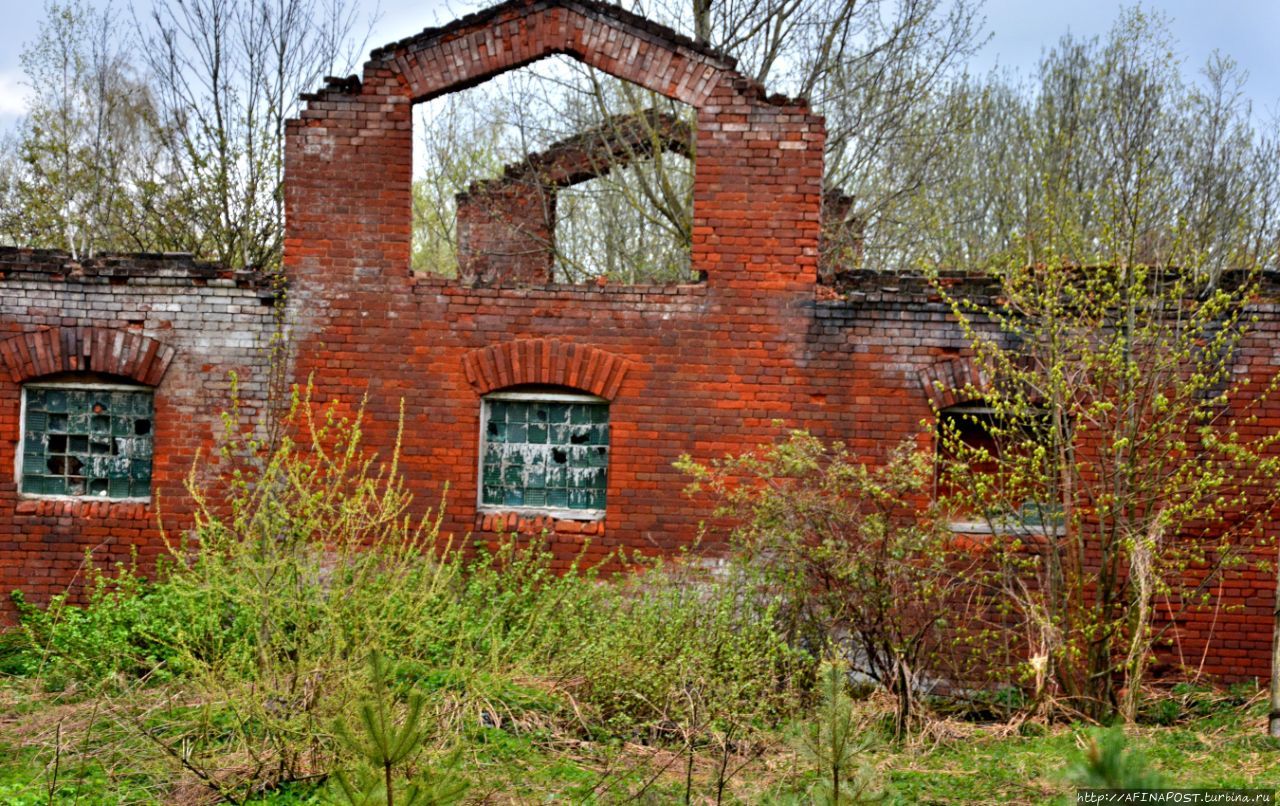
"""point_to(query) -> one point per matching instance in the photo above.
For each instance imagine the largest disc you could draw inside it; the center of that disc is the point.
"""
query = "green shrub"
(250, 644)
(860, 562)
(129, 629)
(19, 657)
(1109, 763)
(660, 646)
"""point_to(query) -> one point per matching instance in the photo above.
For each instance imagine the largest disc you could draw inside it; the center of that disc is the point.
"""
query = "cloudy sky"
(1021, 30)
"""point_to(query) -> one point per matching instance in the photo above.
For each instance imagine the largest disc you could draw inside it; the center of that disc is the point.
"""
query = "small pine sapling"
(1109, 763)
(835, 744)
(383, 745)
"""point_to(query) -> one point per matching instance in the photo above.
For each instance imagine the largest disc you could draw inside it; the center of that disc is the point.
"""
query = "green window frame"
(545, 453)
(86, 440)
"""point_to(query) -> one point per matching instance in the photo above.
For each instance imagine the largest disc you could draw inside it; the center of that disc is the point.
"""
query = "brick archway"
(951, 381)
(478, 47)
(86, 349)
(545, 361)
(757, 174)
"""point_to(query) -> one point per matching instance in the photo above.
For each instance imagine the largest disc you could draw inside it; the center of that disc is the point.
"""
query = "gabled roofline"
(587, 7)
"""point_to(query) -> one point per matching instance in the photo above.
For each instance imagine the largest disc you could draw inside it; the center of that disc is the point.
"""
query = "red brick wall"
(702, 369)
(506, 234)
(709, 368)
(177, 326)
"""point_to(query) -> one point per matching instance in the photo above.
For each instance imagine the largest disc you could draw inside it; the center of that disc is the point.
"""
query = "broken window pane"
(545, 454)
(87, 442)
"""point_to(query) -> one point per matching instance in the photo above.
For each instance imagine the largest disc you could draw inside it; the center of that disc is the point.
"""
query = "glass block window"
(547, 453)
(87, 441)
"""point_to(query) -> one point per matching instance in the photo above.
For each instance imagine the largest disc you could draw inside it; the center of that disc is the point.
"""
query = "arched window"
(545, 451)
(84, 436)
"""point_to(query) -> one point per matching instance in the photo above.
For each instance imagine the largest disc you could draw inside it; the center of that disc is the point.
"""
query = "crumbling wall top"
(502, 12)
(474, 48)
(53, 264)
(616, 142)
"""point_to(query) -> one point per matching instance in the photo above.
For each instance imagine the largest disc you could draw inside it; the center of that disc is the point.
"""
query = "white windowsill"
(88, 498)
(588, 515)
(985, 528)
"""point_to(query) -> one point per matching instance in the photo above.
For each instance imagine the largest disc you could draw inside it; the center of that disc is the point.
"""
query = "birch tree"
(1114, 137)
(83, 166)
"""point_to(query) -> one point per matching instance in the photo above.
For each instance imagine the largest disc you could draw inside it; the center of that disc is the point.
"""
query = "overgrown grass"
(1216, 743)
(518, 664)
(229, 676)
(1224, 748)
(226, 675)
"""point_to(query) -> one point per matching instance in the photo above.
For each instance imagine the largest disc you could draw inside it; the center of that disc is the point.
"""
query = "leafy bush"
(127, 630)
(856, 558)
(235, 664)
(673, 645)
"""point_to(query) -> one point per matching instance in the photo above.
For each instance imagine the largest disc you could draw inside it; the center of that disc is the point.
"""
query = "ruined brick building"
(542, 406)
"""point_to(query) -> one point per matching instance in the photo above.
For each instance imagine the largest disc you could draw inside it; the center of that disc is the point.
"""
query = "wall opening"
(988, 468)
(631, 226)
(554, 172)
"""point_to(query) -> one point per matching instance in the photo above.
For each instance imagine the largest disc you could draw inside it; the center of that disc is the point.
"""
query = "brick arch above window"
(545, 362)
(86, 349)
(518, 32)
(951, 381)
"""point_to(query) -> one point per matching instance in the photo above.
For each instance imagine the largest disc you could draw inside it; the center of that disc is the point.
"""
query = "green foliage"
(125, 632)
(630, 222)
(18, 656)
(853, 559)
(1189, 701)
(1117, 415)
(834, 745)
(167, 134)
(1109, 763)
(83, 171)
(641, 673)
(462, 143)
(1216, 744)
(249, 645)
(1112, 137)
(383, 746)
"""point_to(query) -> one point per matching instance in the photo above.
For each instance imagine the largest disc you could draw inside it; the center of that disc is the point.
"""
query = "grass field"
(56, 749)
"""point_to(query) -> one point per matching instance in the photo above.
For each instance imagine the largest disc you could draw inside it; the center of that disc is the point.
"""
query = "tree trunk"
(1273, 717)
(902, 723)
(1142, 581)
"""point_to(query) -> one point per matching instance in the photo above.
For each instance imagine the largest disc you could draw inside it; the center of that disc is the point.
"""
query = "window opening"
(627, 226)
(983, 464)
(553, 172)
(86, 440)
(545, 452)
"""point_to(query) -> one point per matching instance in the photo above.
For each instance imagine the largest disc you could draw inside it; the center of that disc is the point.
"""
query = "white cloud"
(13, 94)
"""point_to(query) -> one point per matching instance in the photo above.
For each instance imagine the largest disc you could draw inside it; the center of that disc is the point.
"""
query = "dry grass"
(527, 757)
